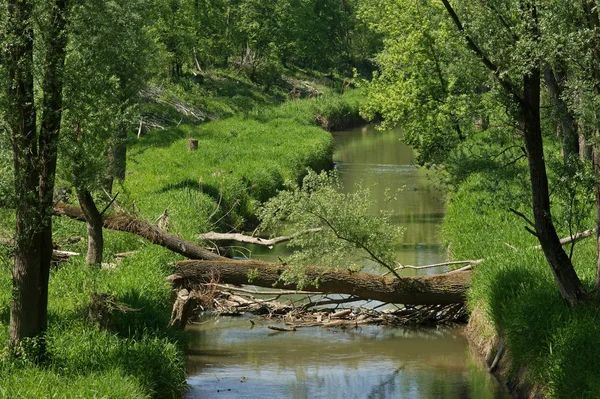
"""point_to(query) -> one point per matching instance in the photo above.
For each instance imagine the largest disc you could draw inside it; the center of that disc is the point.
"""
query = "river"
(233, 358)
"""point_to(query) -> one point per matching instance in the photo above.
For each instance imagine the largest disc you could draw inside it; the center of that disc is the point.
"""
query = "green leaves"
(349, 234)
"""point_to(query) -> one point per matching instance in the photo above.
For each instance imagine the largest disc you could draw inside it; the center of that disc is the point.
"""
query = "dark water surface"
(232, 358)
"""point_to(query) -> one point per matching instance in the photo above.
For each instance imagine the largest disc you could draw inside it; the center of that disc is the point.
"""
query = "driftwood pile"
(310, 310)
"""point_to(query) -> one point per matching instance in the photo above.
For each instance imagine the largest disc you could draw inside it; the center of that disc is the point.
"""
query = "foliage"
(348, 233)
(427, 81)
(105, 68)
(139, 356)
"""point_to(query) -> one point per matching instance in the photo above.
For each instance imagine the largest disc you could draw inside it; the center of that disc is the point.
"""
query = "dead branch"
(127, 223)
(213, 236)
(458, 262)
(574, 238)
(275, 328)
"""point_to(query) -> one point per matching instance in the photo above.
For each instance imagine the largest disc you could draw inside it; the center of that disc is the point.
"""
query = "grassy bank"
(241, 161)
(514, 297)
(126, 348)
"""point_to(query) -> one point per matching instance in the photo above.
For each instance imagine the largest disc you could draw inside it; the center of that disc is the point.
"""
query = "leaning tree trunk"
(566, 278)
(129, 224)
(437, 289)
(93, 221)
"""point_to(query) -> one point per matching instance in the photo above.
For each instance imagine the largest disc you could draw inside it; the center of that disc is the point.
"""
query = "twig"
(109, 204)
(275, 292)
(522, 216)
(275, 328)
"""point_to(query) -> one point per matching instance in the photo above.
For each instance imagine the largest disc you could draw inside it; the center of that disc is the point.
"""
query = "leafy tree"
(508, 40)
(348, 233)
(34, 134)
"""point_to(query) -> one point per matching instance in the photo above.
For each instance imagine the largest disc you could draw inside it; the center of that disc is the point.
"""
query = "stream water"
(233, 358)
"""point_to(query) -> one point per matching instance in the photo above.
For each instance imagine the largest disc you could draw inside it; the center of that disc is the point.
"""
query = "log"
(439, 289)
(424, 290)
(129, 224)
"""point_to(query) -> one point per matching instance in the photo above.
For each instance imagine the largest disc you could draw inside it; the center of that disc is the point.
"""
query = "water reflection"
(382, 162)
(233, 360)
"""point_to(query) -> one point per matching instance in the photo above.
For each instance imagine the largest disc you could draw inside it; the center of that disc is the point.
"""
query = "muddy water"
(234, 358)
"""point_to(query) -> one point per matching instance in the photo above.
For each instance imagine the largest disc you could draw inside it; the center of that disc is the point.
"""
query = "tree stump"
(193, 144)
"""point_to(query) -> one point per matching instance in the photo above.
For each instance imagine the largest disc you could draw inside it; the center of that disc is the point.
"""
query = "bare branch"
(521, 215)
(214, 236)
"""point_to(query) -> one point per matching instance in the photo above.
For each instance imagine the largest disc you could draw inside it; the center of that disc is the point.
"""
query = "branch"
(458, 262)
(523, 217)
(214, 236)
(573, 238)
(506, 84)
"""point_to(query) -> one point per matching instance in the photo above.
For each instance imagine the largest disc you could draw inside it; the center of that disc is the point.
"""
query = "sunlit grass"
(515, 289)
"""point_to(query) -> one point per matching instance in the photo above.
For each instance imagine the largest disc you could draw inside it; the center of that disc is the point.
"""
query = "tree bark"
(129, 224)
(568, 126)
(424, 290)
(34, 161)
(48, 139)
(25, 305)
(94, 227)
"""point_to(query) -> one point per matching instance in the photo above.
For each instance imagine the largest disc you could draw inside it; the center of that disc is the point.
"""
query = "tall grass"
(515, 289)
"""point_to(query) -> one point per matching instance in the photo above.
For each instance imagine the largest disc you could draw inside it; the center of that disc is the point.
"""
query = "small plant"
(349, 234)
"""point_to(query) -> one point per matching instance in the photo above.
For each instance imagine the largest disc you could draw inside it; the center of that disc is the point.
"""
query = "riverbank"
(109, 333)
(548, 349)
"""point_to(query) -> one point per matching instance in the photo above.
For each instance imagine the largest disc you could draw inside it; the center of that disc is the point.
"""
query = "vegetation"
(514, 292)
(87, 82)
(490, 93)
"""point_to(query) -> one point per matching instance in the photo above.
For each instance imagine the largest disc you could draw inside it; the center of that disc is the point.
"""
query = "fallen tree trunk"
(129, 224)
(423, 290)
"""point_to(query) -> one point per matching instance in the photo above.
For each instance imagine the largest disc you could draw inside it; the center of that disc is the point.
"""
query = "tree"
(507, 39)
(35, 154)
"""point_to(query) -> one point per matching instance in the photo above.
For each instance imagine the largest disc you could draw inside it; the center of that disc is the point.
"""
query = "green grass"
(515, 290)
(138, 356)
(240, 162)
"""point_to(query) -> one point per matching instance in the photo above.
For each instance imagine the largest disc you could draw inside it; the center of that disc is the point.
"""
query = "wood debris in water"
(310, 310)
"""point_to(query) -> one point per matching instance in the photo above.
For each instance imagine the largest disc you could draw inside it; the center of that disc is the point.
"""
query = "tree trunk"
(568, 127)
(567, 280)
(129, 224)
(439, 289)
(35, 163)
(48, 140)
(25, 305)
(94, 227)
